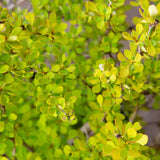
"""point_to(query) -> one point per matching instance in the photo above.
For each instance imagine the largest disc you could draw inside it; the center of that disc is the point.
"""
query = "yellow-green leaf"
(52, 19)
(96, 88)
(131, 133)
(100, 99)
(2, 39)
(72, 99)
(1, 27)
(116, 154)
(158, 7)
(2, 126)
(127, 36)
(13, 116)
(134, 153)
(143, 140)
(55, 68)
(3, 158)
(30, 17)
(113, 78)
(71, 68)
(12, 38)
(138, 67)
(100, 24)
(137, 126)
(4, 68)
(137, 58)
(133, 3)
(128, 54)
(91, 6)
(139, 28)
(124, 71)
(119, 100)
(121, 57)
(67, 150)
(61, 27)
(144, 4)
(107, 149)
(151, 50)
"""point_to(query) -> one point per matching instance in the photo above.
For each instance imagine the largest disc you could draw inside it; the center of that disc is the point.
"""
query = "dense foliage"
(61, 70)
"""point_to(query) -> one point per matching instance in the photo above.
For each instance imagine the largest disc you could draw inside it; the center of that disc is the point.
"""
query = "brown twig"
(132, 118)
(3, 109)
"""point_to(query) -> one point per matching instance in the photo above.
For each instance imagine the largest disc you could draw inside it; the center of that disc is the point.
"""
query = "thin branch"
(85, 83)
(111, 56)
(3, 109)
(132, 118)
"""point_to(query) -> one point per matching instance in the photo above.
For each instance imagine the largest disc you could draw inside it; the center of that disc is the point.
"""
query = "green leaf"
(134, 153)
(137, 58)
(121, 57)
(128, 54)
(93, 105)
(4, 68)
(158, 8)
(111, 127)
(2, 124)
(118, 123)
(67, 150)
(127, 36)
(131, 133)
(119, 100)
(1, 27)
(8, 78)
(61, 39)
(144, 4)
(133, 3)
(139, 28)
(100, 23)
(151, 50)
(128, 125)
(91, 6)
(3, 158)
(14, 44)
(16, 31)
(92, 141)
(72, 99)
(58, 89)
(12, 38)
(116, 154)
(18, 140)
(38, 158)
(55, 68)
(61, 27)
(30, 17)
(138, 67)
(107, 148)
(52, 19)
(71, 68)
(113, 78)
(3, 148)
(4, 99)
(100, 99)
(109, 11)
(13, 116)
(2, 39)
(96, 88)
(137, 126)
(124, 71)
